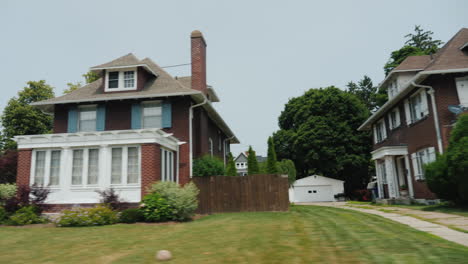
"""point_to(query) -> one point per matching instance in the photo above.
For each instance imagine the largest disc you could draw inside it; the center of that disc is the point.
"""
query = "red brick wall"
(198, 54)
(60, 119)
(150, 166)
(24, 167)
(118, 115)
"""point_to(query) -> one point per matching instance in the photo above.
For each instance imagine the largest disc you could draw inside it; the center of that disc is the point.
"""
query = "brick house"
(133, 126)
(415, 123)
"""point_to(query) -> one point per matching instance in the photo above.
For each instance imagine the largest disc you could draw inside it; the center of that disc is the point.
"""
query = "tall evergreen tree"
(231, 167)
(252, 163)
(272, 167)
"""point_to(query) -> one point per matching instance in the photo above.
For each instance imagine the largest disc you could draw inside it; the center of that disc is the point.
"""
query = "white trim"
(86, 139)
(121, 81)
(409, 177)
(389, 151)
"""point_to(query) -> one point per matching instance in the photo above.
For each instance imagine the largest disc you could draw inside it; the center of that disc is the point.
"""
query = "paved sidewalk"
(435, 229)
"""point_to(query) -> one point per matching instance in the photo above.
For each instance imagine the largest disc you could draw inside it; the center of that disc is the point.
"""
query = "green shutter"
(101, 118)
(136, 116)
(166, 115)
(72, 119)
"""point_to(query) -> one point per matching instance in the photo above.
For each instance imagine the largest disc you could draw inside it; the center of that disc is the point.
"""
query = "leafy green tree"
(318, 132)
(231, 166)
(20, 118)
(287, 167)
(271, 157)
(365, 90)
(89, 78)
(208, 166)
(447, 175)
(252, 163)
(419, 43)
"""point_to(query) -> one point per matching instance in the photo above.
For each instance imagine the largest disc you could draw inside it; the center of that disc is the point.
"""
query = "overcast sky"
(260, 53)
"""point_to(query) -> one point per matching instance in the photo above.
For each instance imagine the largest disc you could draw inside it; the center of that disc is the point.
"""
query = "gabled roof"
(241, 155)
(449, 59)
(125, 60)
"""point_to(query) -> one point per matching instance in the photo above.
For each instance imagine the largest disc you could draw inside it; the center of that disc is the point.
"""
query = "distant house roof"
(241, 158)
(449, 59)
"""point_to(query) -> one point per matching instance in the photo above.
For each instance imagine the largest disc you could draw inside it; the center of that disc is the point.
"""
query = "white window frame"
(382, 170)
(121, 86)
(146, 103)
(419, 159)
(460, 83)
(47, 166)
(383, 135)
(394, 123)
(210, 141)
(413, 115)
(124, 167)
(85, 167)
(82, 108)
(167, 165)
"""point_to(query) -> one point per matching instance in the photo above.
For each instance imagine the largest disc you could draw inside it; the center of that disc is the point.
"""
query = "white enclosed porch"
(76, 165)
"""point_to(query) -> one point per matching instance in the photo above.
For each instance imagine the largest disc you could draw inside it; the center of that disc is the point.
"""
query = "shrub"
(182, 200)
(25, 216)
(287, 167)
(131, 215)
(155, 208)
(3, 215)
(110, 198)
(437, 179)
(99, 215)
(208, 166)
(7, 191)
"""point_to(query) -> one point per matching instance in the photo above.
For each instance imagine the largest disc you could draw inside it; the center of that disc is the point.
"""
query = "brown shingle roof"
(450, 56)
(414, 63)
(126, 60)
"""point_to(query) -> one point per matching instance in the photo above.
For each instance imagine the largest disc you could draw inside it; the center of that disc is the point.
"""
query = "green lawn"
(306, 234)
(442, 208)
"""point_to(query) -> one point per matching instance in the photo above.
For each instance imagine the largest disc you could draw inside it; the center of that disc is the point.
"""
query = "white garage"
(315, 188)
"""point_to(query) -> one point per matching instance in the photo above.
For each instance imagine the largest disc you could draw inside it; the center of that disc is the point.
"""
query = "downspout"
(224, 147)
(434, 110)
(190, 133)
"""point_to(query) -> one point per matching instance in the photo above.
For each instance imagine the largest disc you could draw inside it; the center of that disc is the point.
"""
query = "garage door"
(318, 193)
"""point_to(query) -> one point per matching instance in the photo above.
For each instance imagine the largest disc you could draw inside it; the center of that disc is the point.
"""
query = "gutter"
(190, 133)
(434, 112)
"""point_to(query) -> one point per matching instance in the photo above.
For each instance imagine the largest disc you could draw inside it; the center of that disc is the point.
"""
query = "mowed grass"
(441, 208)
(305, 234)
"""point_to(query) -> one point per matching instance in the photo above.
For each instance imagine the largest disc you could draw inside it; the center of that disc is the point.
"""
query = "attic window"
(121, 80)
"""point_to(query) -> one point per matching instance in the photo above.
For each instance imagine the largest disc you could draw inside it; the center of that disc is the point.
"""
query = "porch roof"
(389, 151)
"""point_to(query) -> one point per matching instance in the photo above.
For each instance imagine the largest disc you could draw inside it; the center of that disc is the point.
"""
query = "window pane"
(40, 168)
(116, 174)
(77, 167)
(93, 166)
(87, 121)
(129, 79)
(113, 80)
(152, 122)
(132, 165)
(54, 167)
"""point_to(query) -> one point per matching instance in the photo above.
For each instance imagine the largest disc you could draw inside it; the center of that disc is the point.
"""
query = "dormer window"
(121, 80)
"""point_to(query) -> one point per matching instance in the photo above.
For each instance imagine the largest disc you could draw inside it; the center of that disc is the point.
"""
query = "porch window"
(85, 166)
(77, 167)
(54, 167)
(87, 118)
(420, 158)
(151, 115)
(93, 166)
(40, 168)
(167, 165)
(380, 132)
(125, 163)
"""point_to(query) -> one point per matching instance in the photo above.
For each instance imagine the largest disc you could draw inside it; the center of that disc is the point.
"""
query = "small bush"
(7, 191)
(110, 198)
(208, 166)
(131, 215)
(26, 216)
(3, 215)
(155, 208)
(182, 200)
(99, 215)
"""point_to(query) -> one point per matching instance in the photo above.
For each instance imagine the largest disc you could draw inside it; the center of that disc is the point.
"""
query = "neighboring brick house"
(415, 123)
(133, 126)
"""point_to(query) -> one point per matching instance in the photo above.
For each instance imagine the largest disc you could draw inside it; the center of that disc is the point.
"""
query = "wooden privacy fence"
(220, 194)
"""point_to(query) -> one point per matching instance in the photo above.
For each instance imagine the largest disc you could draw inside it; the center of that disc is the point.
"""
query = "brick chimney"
(198, 52)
